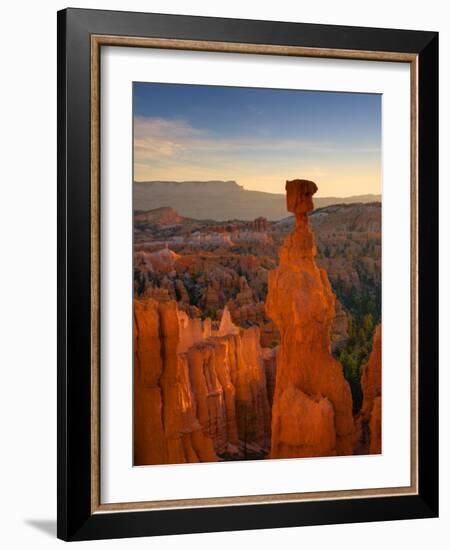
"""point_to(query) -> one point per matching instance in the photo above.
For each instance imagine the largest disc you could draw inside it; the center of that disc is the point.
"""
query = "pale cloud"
(157, 137)
(174, 150)
(169, 138)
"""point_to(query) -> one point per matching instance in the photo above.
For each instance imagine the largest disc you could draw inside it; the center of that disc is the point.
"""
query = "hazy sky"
(258, 137)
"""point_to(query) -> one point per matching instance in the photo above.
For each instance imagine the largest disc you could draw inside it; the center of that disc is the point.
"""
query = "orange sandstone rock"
(166, 427)
(249, 378)
(304, 424)
(199, 393)
(312, 407)
(149, 436)
(260, 224)
(375, 427)
(371, 376)
(370, 414)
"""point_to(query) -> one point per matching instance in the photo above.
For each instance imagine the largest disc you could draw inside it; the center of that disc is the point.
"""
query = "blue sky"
(258, 137)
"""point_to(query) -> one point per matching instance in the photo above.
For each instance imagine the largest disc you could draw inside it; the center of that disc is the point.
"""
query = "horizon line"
(254, 190)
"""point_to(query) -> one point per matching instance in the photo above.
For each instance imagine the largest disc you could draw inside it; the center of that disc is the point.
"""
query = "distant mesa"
(221, 200)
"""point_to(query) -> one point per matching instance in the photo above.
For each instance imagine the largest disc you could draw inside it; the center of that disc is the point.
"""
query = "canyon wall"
(199, 394)
(232, 353)
(166, 427)
(312, 402)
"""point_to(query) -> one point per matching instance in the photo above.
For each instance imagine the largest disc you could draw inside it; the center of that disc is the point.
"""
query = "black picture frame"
(75, 518)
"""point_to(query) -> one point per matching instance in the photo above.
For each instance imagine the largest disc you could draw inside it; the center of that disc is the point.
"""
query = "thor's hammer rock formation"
(312, 404)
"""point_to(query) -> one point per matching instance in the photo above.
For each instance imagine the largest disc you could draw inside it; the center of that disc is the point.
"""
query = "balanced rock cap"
(299, 196)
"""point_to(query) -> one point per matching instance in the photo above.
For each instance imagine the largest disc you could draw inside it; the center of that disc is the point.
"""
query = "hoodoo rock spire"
(312, 407)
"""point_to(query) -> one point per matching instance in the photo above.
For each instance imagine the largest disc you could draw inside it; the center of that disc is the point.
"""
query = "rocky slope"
(312, 404)
(348, 239)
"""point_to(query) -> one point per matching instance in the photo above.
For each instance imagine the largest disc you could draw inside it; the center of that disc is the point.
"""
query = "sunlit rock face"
(166, 427)
(312, 404)
(199, 394)
(370, 414)
(226, 324)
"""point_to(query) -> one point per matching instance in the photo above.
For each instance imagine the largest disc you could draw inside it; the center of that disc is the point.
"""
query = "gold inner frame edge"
(97, 41)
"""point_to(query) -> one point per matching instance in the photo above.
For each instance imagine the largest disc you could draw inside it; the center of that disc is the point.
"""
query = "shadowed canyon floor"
(253, 339)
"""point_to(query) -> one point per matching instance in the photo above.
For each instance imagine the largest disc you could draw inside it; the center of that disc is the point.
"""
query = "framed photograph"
(247, 255)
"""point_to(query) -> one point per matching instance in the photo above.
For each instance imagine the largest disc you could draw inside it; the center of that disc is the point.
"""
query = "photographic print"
(247, 274)
(256, 273)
